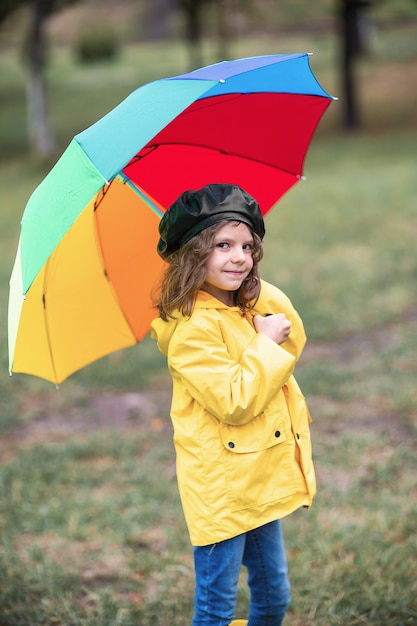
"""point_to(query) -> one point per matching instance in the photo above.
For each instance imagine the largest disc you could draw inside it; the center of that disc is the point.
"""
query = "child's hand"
(277, 327)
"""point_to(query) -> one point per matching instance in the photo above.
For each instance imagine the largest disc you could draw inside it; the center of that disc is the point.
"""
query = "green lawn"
(91, 528)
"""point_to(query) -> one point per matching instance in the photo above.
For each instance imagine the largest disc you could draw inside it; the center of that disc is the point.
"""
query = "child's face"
(230, 262)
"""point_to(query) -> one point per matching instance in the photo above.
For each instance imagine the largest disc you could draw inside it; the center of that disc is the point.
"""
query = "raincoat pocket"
(252, 437)
(257, 465)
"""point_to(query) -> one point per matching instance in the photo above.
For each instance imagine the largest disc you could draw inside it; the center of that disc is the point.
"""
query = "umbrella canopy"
(86, 261)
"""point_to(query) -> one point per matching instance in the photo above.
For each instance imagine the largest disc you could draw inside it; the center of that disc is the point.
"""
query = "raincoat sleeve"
(235, 390)
(273, 300)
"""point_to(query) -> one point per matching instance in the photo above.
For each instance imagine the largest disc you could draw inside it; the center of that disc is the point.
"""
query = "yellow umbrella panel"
(92, 296)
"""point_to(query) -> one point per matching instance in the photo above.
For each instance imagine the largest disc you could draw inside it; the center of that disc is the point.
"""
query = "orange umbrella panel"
(92, 296)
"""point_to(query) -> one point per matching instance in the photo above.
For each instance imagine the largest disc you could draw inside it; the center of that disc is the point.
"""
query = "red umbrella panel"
(259, 140)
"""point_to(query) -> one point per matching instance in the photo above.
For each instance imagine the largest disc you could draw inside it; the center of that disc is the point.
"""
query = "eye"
(222, 244)
(248, 246)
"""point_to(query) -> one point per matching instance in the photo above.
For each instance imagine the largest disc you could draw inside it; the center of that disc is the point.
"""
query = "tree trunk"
(223, 34)
(193, 16)
(348, 24)
(158, 15)
(41, 140)
(353, 35)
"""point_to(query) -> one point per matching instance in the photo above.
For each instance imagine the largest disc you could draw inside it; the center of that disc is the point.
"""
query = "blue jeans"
(217, 569)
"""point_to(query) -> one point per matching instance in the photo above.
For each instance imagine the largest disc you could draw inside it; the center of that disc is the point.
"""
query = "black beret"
(196, 210)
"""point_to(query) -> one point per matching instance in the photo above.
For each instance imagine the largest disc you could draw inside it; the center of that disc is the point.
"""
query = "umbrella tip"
(310, 54)
(10, 373)
(57, 387)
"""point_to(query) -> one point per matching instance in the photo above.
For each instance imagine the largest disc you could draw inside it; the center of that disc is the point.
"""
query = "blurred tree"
(353, 19)
(41, 139)
(196, 13)
(157, 17)
(222, 28)
(193, 14)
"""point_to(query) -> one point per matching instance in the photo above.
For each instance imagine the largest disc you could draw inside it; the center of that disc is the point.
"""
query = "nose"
(238, 255)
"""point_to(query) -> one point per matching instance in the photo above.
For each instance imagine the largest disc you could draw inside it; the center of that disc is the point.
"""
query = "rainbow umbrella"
(86, 261)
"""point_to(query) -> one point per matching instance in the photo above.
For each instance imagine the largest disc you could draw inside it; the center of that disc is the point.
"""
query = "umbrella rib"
(101, 194)
(211, 101)
(227, 153)
(46, 312)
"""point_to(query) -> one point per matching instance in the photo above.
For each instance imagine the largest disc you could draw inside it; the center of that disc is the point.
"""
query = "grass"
(91, 528)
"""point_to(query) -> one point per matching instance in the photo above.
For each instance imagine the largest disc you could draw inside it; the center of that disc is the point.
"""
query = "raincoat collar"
(205, 300)
(163, 331)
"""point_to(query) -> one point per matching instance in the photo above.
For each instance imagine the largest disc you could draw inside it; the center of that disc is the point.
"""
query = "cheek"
(211, 265)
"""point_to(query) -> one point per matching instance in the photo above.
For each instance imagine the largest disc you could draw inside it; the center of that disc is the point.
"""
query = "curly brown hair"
(186, 274)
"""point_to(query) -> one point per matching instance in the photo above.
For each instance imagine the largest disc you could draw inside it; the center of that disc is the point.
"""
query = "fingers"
(277, 327)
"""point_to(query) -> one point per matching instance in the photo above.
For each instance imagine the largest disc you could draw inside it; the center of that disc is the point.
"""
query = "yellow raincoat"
(241, 424)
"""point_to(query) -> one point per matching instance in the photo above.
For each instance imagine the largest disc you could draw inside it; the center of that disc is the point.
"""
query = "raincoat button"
(231, 444)
(277, 433)
(297, 435)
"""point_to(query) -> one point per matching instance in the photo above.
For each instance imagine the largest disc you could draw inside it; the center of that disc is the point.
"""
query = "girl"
(241, 425)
